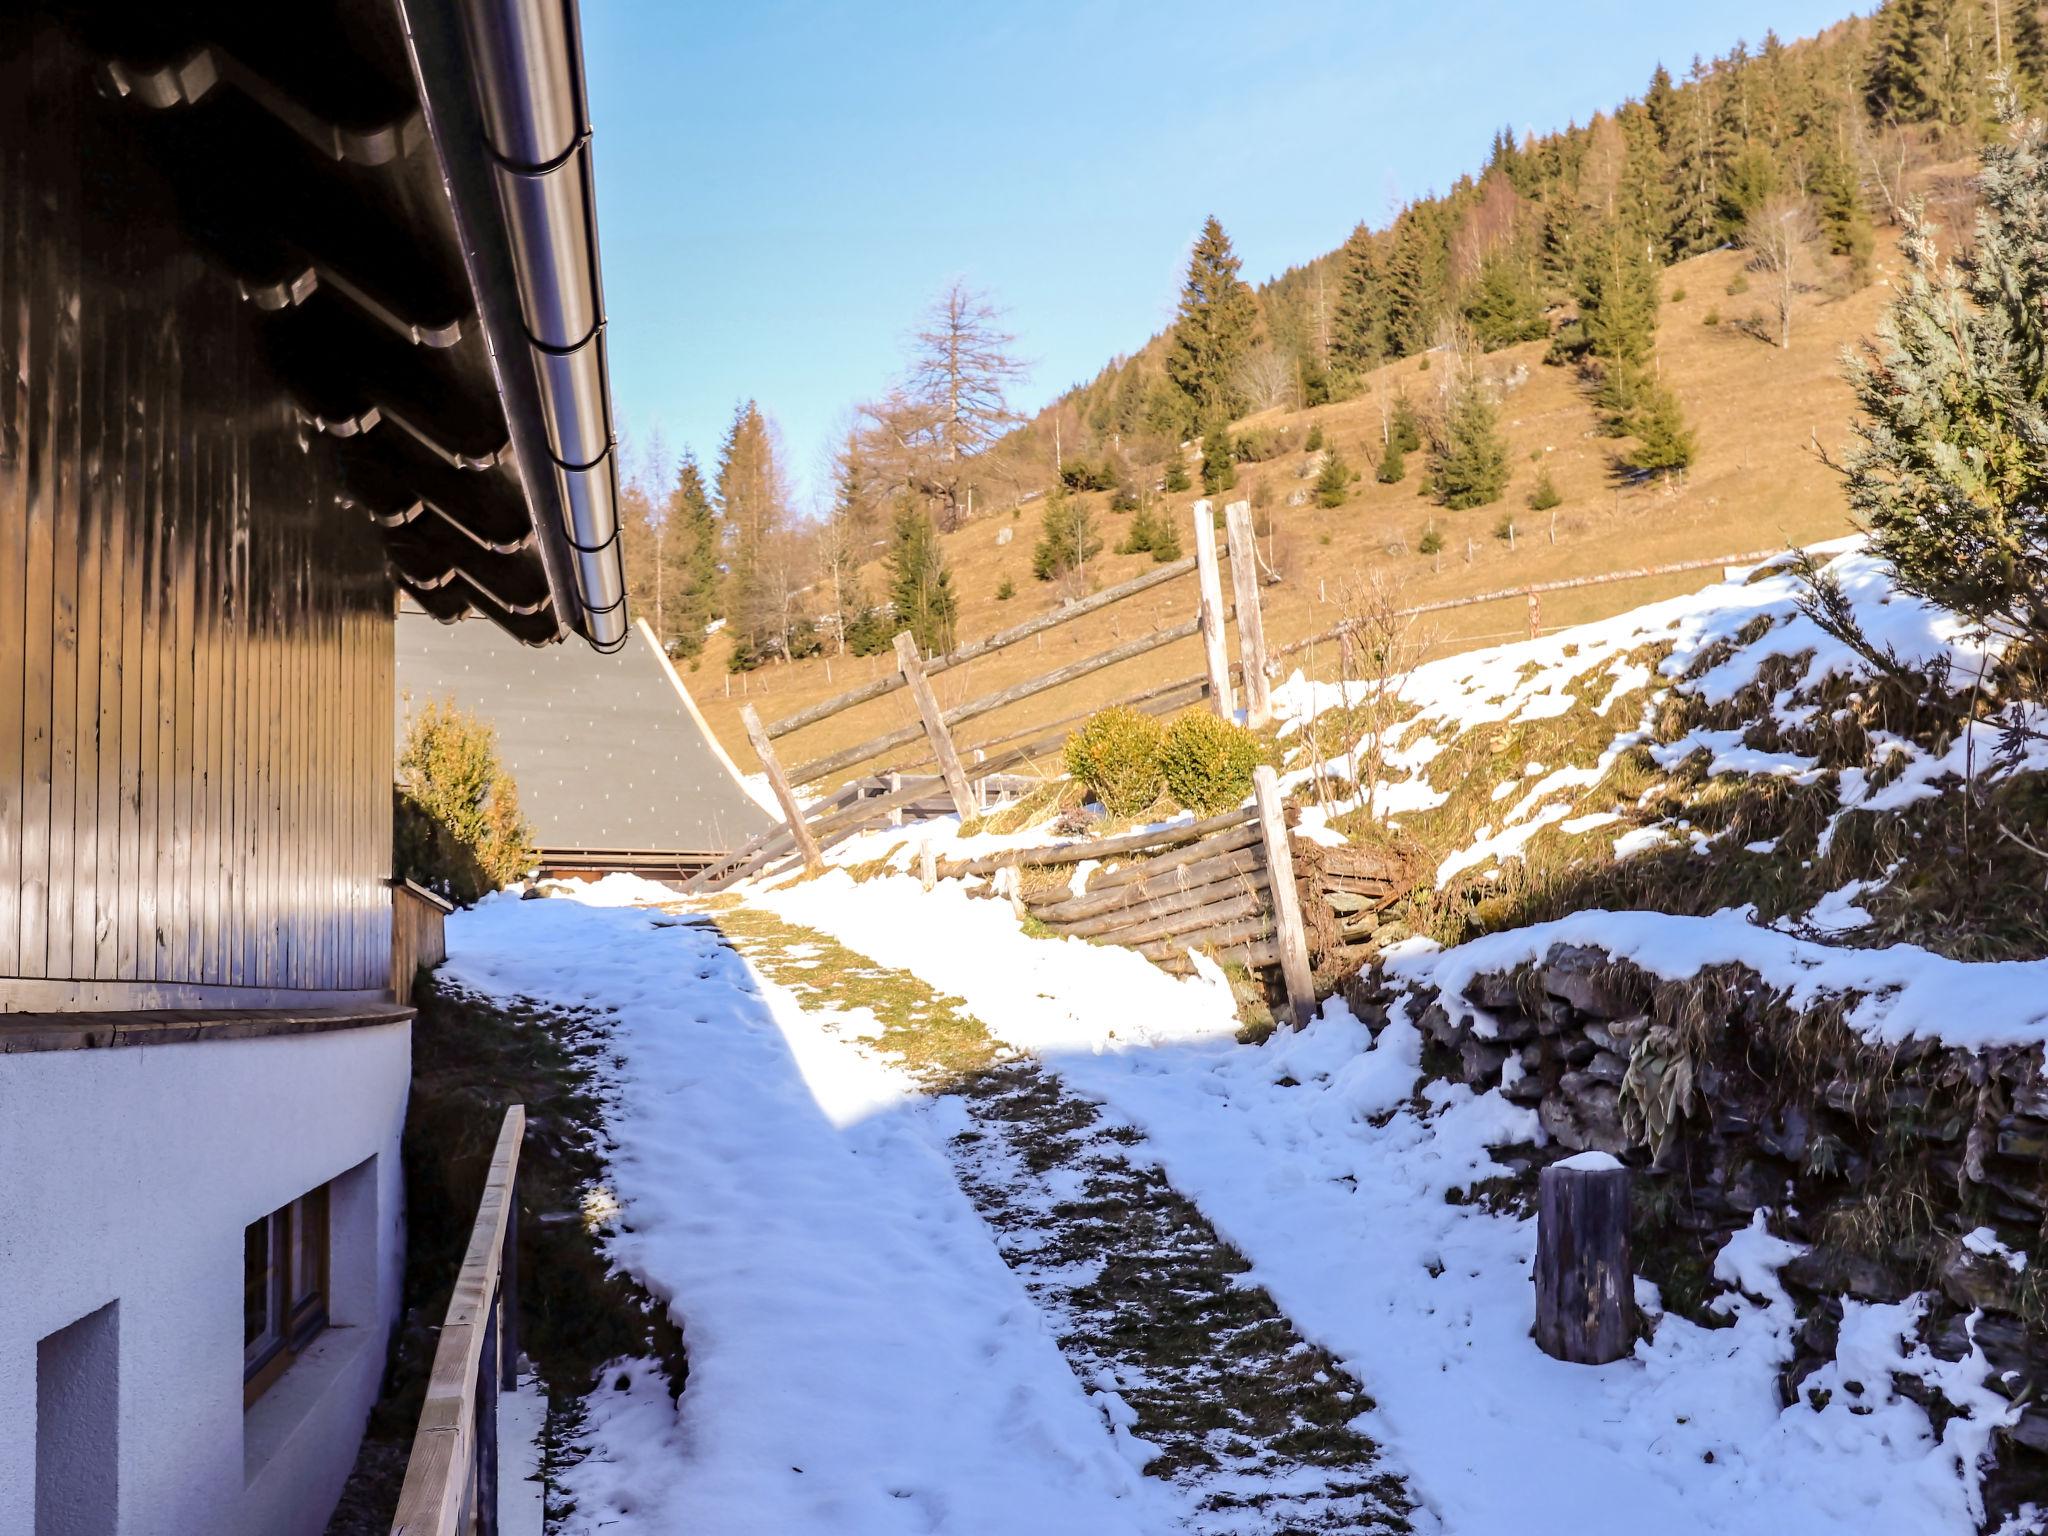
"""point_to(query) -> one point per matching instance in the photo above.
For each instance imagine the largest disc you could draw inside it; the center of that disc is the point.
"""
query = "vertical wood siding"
(195, 638)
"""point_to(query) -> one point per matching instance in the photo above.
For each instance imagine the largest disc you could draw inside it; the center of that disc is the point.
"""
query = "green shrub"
(1711, 317)
(1207, 762)
(1315, 438)
(1431, 542)
(1115, 754)
(1545, 495)
(456, 827)
(1739, 283)
(1005, 590)
(1176, 473)
(1677, 296)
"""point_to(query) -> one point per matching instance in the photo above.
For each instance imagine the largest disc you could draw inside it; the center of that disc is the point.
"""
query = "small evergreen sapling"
(1393, 465)
(1177, 473)
(1219, 460)
(1545, 495)
(1333, 484)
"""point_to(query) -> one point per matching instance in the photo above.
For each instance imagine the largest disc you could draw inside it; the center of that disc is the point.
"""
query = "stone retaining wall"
(1881, 1159)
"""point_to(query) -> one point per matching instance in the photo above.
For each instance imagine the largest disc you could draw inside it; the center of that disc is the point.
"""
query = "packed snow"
(861, 1360)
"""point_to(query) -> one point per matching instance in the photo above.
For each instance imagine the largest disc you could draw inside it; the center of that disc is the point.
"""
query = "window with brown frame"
(284, 1289)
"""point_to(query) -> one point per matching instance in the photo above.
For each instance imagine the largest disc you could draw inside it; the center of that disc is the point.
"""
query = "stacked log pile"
(1203, 886)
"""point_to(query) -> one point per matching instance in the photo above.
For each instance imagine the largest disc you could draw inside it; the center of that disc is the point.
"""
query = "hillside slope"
(1757, 484)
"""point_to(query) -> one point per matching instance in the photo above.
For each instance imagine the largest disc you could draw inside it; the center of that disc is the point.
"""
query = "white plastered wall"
(129, 1174)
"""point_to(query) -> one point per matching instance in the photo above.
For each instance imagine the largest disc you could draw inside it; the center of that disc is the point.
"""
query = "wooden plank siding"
(195, 633)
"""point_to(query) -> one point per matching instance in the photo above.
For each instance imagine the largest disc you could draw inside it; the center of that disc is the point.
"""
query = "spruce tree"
(1358, 330)
(1177, 473)
(1393, 464)
(1504, 305)
(1664, 443)
(1212, 333)
(1618, 297)
(1067, 539)
(1404, 429)
(1838, 198)
(921, 596)
(753, 505)
(693, 533)
(1468, 465)
(1693, 170)
(2029, 53)
(1139, 538)
(1166, 539)
(1949, 476)
(1219, 460)
(1333, 483)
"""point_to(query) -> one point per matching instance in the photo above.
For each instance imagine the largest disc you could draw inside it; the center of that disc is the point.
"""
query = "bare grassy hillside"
(1757, 484)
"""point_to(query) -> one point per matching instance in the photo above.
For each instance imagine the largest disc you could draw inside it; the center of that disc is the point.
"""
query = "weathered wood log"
(834, 762)
(1187, 920)
(1210, 618)
(1118, 920)
(792, 813)
(1245, 862)
(1099, 848)
(1171, 956)
(1251, 626)
(825, 709)
(1230, 840)
(1216, 938)
(911, 665)
(1585, 1276)
(1294, 961)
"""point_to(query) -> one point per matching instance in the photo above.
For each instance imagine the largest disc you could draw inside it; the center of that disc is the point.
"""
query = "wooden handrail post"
(911, 665)
(1251, 627)
(1212, 611)
(1287, 927)
(792, 813)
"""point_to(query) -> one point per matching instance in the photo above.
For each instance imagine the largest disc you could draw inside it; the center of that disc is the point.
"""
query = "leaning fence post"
(1251, 627)
(1585, 1275)
(911, 664)
(1287, 929)
(1212, 611)
(792, 813)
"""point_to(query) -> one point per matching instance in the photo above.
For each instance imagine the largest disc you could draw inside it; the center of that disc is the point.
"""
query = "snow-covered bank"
(1307, 1155)
(861, 1360)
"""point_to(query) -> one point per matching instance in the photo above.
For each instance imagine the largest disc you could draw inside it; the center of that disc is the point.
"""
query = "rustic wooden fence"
(419, 936)
(451, 1479)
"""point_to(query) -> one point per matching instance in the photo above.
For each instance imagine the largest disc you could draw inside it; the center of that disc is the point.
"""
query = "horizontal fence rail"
(451, 1479)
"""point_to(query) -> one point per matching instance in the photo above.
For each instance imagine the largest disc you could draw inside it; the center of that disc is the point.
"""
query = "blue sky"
(783, 187)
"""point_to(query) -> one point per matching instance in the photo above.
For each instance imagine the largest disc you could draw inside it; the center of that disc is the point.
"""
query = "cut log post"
(1251, 627)
(1585, 1278)
(1287, 927)
(792, 813)
(911, 665)
(1213, 654)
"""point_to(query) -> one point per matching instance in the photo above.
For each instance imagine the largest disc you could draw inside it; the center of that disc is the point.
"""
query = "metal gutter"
(516, 152)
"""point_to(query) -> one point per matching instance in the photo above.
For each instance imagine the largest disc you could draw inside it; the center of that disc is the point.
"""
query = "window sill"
(270, 1422)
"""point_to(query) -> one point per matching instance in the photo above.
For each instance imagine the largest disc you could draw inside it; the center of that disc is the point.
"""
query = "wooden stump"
(1585, 1277)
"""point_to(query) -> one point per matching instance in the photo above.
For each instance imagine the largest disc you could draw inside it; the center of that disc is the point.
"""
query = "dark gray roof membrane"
(604, 752)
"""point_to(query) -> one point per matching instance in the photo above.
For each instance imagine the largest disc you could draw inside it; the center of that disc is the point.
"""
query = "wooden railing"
(451, 1480)
(418, 934)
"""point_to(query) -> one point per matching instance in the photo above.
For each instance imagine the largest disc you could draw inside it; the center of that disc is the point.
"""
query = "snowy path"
(861, 1359)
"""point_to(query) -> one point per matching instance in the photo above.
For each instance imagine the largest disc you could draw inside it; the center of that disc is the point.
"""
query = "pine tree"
(1618, 297)
(1468, 465)
(1928, 63)
(1213, 331)
(1693, 168)
(753, 505)
(2029, 55)
(1166, 539)
(1844, 219)
(1417, 282)
(1143, 533)
(1543, 496)
(1177, 473)
(1747, 183)
(1333, 483)
(693, 534)
(1504, 305)
(1358, 331)
(1393, 464)
(1664, 443)
(1661, 102)
(921, 596)
(1219, 460)
(1404, 427)
(1642, 201)
(1067, 539)
(1949, 477)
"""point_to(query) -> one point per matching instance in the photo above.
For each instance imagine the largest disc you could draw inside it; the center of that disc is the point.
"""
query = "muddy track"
(1153, 1310)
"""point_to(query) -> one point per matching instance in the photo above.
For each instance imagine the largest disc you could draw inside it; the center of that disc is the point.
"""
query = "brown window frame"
(292, 1247)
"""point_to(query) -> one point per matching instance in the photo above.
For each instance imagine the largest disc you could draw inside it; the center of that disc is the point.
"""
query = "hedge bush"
(1207, 762)
(1116, 755)
(456, 827)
